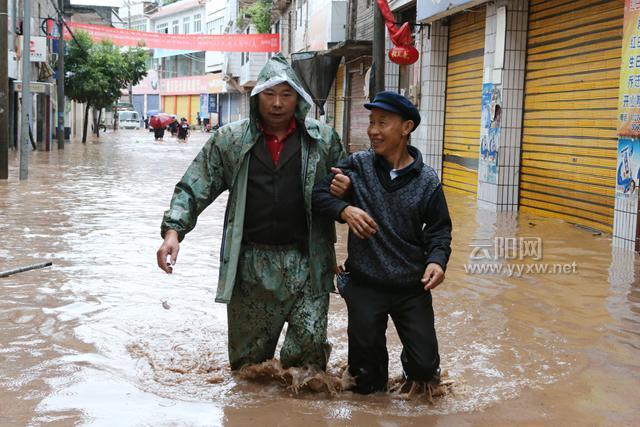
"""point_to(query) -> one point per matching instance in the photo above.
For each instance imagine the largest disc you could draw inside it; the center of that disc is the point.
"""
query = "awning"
(350, 49)
(431, 10)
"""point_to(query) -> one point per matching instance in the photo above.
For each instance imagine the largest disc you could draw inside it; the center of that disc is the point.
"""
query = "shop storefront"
(570, 106)
(462, 107)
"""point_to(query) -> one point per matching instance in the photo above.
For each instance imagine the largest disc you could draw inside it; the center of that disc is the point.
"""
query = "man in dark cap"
(399, 246)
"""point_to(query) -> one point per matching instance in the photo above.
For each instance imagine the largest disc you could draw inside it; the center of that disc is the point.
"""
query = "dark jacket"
(411, 213)
(223, 164)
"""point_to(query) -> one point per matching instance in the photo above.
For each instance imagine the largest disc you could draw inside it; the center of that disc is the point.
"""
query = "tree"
(260, 13)
(97, 73)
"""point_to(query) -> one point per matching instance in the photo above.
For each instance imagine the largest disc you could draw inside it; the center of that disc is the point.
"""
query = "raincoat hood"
(277, 70)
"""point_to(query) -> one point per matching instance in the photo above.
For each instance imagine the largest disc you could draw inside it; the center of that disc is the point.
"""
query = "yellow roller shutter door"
(463, 101)
(182, 107)
(169, 104)
(195, 109)
(569, 143)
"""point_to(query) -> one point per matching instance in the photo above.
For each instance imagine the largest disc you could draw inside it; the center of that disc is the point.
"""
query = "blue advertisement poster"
(489, 134)
(204, 104)
(628, 170)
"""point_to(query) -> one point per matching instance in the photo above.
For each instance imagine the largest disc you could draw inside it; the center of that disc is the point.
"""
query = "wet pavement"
(103, 337)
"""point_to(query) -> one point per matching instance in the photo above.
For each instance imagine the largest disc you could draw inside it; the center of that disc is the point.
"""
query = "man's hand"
(433, 276)
(360, 223)
(340, 184)
(170, 247)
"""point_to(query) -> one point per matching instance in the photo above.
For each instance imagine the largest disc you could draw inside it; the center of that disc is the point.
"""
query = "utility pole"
(130, 85)
(26, 92)
(378, 51)
(60, 79)
(4, 93)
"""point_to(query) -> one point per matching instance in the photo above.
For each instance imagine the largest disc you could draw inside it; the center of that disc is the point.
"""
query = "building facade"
(520, 102)
(519, 98)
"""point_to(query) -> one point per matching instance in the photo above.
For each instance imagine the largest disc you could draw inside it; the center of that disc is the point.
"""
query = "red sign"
(193, 85)
(197, 42)
(404, 55)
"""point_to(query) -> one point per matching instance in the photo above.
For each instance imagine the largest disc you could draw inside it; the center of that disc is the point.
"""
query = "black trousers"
(412, 313)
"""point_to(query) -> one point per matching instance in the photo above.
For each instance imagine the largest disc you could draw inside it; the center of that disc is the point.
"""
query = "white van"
(128, 119)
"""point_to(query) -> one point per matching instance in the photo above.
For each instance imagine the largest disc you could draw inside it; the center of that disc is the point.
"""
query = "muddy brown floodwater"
(103, 337)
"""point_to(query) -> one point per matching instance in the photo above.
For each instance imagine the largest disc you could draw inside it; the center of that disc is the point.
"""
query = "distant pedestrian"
(173, 126)
(199, 119)
(158, 133)
(115, 120)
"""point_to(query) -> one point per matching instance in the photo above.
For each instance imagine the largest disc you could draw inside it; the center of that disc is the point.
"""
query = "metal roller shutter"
(569, 142)
(182, 106)
(169, 104)
(194, 109)
(465, 63)
(153, 102)
(138, 104)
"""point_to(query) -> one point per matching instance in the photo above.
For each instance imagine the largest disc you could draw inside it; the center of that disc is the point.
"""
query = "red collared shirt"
(275, 145)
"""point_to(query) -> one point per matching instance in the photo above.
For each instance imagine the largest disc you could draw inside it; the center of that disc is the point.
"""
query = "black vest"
(275, 213)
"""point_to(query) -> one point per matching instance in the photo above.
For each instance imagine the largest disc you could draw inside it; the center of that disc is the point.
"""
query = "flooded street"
(103, 337)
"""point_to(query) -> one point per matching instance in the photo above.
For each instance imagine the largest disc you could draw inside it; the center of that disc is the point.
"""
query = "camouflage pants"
(272, 287)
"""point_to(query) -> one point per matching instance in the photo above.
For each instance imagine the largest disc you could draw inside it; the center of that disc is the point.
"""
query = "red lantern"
(404, 55)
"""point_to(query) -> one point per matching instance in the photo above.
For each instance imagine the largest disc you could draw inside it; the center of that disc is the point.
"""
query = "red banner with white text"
(197, 42)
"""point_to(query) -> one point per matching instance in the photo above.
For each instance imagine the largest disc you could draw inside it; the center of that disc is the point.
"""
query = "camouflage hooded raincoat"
(223, 164)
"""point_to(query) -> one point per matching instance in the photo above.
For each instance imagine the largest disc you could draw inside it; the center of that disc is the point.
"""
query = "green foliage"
(260, 13)
(97, 72)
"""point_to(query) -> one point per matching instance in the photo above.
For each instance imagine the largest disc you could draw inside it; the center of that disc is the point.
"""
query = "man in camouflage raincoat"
(277, 260)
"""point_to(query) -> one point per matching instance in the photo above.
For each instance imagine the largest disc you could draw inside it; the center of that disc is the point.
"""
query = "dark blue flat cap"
(395, 103)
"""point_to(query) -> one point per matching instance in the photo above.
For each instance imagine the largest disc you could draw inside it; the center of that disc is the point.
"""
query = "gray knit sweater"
(414, 226)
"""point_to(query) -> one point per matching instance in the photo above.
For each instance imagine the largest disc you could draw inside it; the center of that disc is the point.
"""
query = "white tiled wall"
(391, 69)
(503, 195)
(429, 136)
(625, 219)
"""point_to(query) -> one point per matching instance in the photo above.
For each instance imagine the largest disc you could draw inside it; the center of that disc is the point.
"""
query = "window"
(303, 12)
(176, 26)
(197, 23)
(162, 28)
(139, 26)
(299, 13)
(216, 26)
(186, 24)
